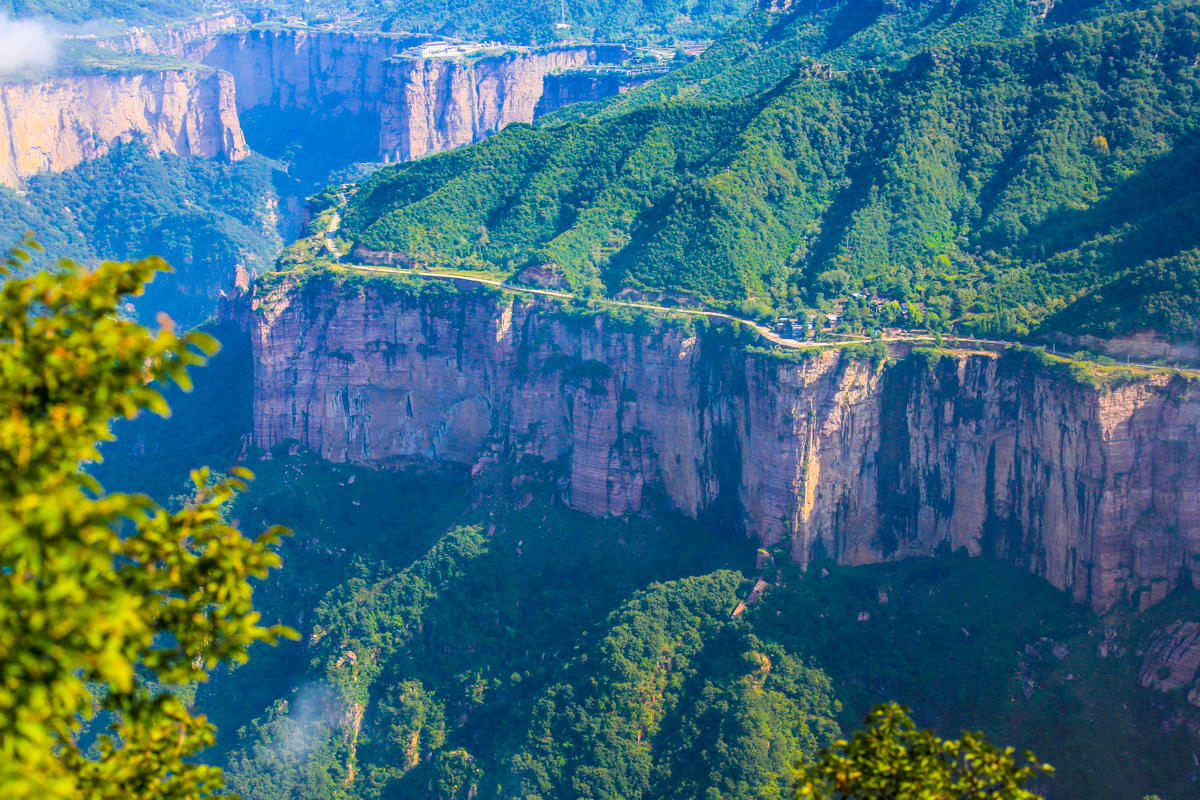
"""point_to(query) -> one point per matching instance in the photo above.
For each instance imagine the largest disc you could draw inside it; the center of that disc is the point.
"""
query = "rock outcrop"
(566, 87)
(416, 105)
(54, 124)
(302, 69)
(1095, 489)
(175, 39)
(1173, 660)
(441, 103)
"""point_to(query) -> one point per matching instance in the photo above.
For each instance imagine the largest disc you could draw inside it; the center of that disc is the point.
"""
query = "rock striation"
(1173, 660)
(176, 39)
(303, 69)
(1095, 489)
(54, 124)
(438, 104)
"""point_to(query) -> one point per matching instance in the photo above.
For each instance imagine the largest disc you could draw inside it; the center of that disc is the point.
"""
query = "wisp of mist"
(25, 43)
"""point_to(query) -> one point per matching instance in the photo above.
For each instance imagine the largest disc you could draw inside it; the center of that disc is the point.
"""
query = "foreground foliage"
(891, 759)
(110, 606)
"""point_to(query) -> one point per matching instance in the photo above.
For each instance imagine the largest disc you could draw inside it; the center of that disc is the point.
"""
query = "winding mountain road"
(768, 334)
(762, 330)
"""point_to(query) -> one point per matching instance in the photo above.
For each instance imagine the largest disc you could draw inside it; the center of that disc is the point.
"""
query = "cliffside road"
(765, 332)
(957, 342)
(805, 451)
(768, 334)
(335, 222)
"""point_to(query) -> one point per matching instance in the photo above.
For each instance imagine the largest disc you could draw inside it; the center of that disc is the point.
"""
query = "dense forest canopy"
(988, 184)
(79, 11)
(541, 20)
(539, 653)
(775, 40)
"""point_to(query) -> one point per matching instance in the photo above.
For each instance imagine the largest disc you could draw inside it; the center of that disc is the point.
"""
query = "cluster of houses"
(799, 328)
(792, 327)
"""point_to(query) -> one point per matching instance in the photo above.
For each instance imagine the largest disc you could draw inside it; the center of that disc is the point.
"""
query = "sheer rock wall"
(1095, 489)
(421, 105)
(54, 124)
(437, 104)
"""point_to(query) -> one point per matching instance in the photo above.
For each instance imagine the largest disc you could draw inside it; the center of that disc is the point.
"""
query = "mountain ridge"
(940, 182)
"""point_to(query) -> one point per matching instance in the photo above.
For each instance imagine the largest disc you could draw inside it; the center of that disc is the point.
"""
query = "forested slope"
(205, 217)
(778, 38)
(132, 11)
(537, 653)
(535, 20)
(990, 183)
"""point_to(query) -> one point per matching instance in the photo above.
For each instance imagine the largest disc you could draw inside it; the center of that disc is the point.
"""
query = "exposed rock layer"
(1097, 490)
(175, 39)
(54, 124)
(437, 104)
(299, 69)
(1173, 660)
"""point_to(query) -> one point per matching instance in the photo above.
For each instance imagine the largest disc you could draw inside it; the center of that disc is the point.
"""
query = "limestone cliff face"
(1097, 490)
(299, 69)
(437, 104)
(54, 124)
(176, 39)
(420, 104)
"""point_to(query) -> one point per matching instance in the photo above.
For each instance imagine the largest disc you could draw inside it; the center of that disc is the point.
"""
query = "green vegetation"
(320, 276)
(85, 57)
(468, 633)
(111, 607)
(204, 216)
(1161, 295)
(483, 639)
(132, 11)
(808, 39)
(891, 758)
(535, 652)
(958, 165)
(535, 21)
(479, 20)
(981, 187)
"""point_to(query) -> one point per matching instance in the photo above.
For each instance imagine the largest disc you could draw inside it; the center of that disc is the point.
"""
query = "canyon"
(419, 103)
(411, 104)
(1095, 488)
